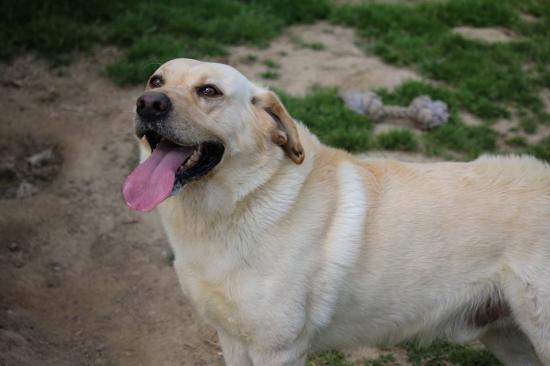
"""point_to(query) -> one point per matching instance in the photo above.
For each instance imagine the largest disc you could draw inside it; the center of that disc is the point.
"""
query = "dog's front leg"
(234, 351)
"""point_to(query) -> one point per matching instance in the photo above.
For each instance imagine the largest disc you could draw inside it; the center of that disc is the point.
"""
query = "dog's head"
(198, 120)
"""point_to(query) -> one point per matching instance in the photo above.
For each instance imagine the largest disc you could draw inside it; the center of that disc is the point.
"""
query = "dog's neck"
(271, 184)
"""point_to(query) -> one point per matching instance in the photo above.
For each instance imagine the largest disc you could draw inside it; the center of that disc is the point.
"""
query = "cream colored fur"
(283, 259)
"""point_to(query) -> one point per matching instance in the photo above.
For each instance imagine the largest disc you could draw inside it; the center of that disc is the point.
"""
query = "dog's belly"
(420, 296)
(386, 323)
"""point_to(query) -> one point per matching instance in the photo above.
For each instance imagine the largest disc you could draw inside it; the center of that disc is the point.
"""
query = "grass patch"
(299, 42)
(170, 258)
(541, 150)
(399, 139)
(270, 74)
(249, 59)
(406, 92)
(332, 358)
(150, 33)
(482, 77)
(325, 114)
(455, 135)
(459, 137)
(529, 125)
(316, 46)
(517, 141)
(382, 360)
(442, 353)
(142, 58)
(269, 63)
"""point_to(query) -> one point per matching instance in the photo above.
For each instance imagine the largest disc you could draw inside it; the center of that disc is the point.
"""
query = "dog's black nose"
(153, 105)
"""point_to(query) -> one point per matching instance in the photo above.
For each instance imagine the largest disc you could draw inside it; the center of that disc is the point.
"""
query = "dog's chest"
(218, 302)
(242, 297)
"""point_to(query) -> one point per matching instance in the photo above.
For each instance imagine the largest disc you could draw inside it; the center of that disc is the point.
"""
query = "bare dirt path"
(318, 54)
(83, 280)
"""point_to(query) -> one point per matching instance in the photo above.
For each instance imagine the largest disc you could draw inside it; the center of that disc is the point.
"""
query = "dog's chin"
(205, 157)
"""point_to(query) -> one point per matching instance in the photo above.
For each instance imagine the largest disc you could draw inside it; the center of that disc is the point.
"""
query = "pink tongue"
(152, 181)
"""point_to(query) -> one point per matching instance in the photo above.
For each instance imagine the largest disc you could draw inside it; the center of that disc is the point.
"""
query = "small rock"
(12, 83)
(42, 158)
(51, 95)
(25, 190)
(13, 247)
(7, 170)
(53, 282)
(10, 337)
(18, 261)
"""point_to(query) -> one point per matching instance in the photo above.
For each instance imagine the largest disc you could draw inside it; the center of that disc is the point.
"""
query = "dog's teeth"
(193, 159)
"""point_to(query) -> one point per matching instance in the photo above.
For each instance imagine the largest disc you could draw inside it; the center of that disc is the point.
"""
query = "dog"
(286, 246)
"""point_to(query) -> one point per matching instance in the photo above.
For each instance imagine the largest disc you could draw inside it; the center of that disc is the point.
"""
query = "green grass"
(269, 63)
(325, 114)
(459, 137)
(483, 78)
(399, 139)
(249, 59)
(316, 46)
(439, 353)
(489, 80)
(383, 360)
(300, 42)
(170, 258)
(455, 135)
(517, 141)
(529, 125)
(541, 150)
(332, 358)
(442, 353)
(270, 74)
(149, 33)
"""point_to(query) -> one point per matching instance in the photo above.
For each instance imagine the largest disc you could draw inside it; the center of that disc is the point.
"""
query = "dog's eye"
(156, 81)
(209, 91)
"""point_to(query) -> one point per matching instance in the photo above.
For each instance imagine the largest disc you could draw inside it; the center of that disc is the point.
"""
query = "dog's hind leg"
(510, 345)
(529, 298)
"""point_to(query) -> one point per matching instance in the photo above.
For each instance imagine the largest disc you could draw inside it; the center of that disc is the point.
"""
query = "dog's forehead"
(193, 72)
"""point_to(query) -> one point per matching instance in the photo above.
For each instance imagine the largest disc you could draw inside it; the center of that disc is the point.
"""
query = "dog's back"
(464, 245)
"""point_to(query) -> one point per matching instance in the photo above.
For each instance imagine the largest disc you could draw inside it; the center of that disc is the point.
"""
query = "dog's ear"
(285, 133)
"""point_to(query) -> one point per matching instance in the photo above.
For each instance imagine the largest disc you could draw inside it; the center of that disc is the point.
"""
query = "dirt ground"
(336, 61)
(83, 279)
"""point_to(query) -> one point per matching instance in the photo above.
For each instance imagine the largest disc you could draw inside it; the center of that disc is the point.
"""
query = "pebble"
(13, 246)
(25, 190)
(42, 158)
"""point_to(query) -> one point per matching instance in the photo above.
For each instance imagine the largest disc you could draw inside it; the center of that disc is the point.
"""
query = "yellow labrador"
(286, 246)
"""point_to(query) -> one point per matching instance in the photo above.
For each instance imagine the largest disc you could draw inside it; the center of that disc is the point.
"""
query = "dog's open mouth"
(169, 167)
